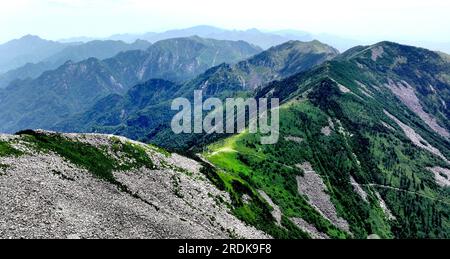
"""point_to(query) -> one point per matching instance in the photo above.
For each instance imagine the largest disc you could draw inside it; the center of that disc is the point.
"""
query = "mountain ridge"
(220, 81)
(76, 53)
(28, 49)
(88, 185)
(363, 150)
(345, 129)
(74, 87)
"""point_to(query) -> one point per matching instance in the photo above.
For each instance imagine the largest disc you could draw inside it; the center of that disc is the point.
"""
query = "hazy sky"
(359, 19)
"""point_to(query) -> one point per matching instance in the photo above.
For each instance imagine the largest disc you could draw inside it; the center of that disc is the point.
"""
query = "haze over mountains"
(364, 147)
(134, 114)
(264, 39)
(28, 49)
(76, 52)
(74, 87)
(18, 62)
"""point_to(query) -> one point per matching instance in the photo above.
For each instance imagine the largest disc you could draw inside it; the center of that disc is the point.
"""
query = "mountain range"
(74, 87)
(28, 49)
(133, 114)
(253, 36)
(74, 53)
(363, 152)
(364, 148)
(364, 145)
(262, 38)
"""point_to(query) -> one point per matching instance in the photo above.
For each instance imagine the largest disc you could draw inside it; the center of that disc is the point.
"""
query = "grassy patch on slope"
(242, 159)
(89, 157)
(7, 150)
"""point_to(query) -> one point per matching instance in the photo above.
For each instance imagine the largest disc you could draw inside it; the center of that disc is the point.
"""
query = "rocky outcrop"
(312, 186)
(310, 229)
(416, 139)
(407, 95)
(276, 212)
(442, 175)
(47, 194)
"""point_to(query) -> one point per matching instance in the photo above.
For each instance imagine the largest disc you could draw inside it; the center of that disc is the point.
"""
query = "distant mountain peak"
(445, 56)
(253, 30)
(305, 47)
(31, 37)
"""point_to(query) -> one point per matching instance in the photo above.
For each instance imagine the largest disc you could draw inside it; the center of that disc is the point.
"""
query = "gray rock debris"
(327, 130)
(44, 196)
(408, 97)
(384, 207)
(416, 138)
(309, 228)
(358, 189)
(442, 175)
(276, 212)
(312, 186)
(294, 139)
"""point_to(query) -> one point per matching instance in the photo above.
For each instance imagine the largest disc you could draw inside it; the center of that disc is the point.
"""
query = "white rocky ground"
(299, 222)
(416, 138)
(364, 89)
(44, 196)
(294, 139)
(344, 89)
(442, 175)
(309, 228)
(327, 130)
(312, 186)
(407, 95)
(387, 126)
(385, 208)
(276, 213)
(377, 52)
(358, 189)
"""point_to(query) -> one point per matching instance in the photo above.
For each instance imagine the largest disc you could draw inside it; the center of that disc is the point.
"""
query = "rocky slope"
(102, 186)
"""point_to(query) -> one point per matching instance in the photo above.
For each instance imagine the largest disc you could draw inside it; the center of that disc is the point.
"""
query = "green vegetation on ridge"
(96, 161)
(7, 150)
(353, 92)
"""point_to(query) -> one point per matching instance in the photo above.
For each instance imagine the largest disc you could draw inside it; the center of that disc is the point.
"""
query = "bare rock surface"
(43, 195)
(358, 189)
(385, 208)
(416, 138)
(364, 89)
(327, 130)
(344, 89)
(442, 175)
(407, 95)
(276, 213)
(309, 228)
(376, 53)
(387, 126)
(312, 186)
(294, 139)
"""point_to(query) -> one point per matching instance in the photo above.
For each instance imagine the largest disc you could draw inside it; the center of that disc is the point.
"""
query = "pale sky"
(422, 20)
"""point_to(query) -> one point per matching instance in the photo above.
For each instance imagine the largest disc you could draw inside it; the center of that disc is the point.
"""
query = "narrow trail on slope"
(370, 185)
(403, 190)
